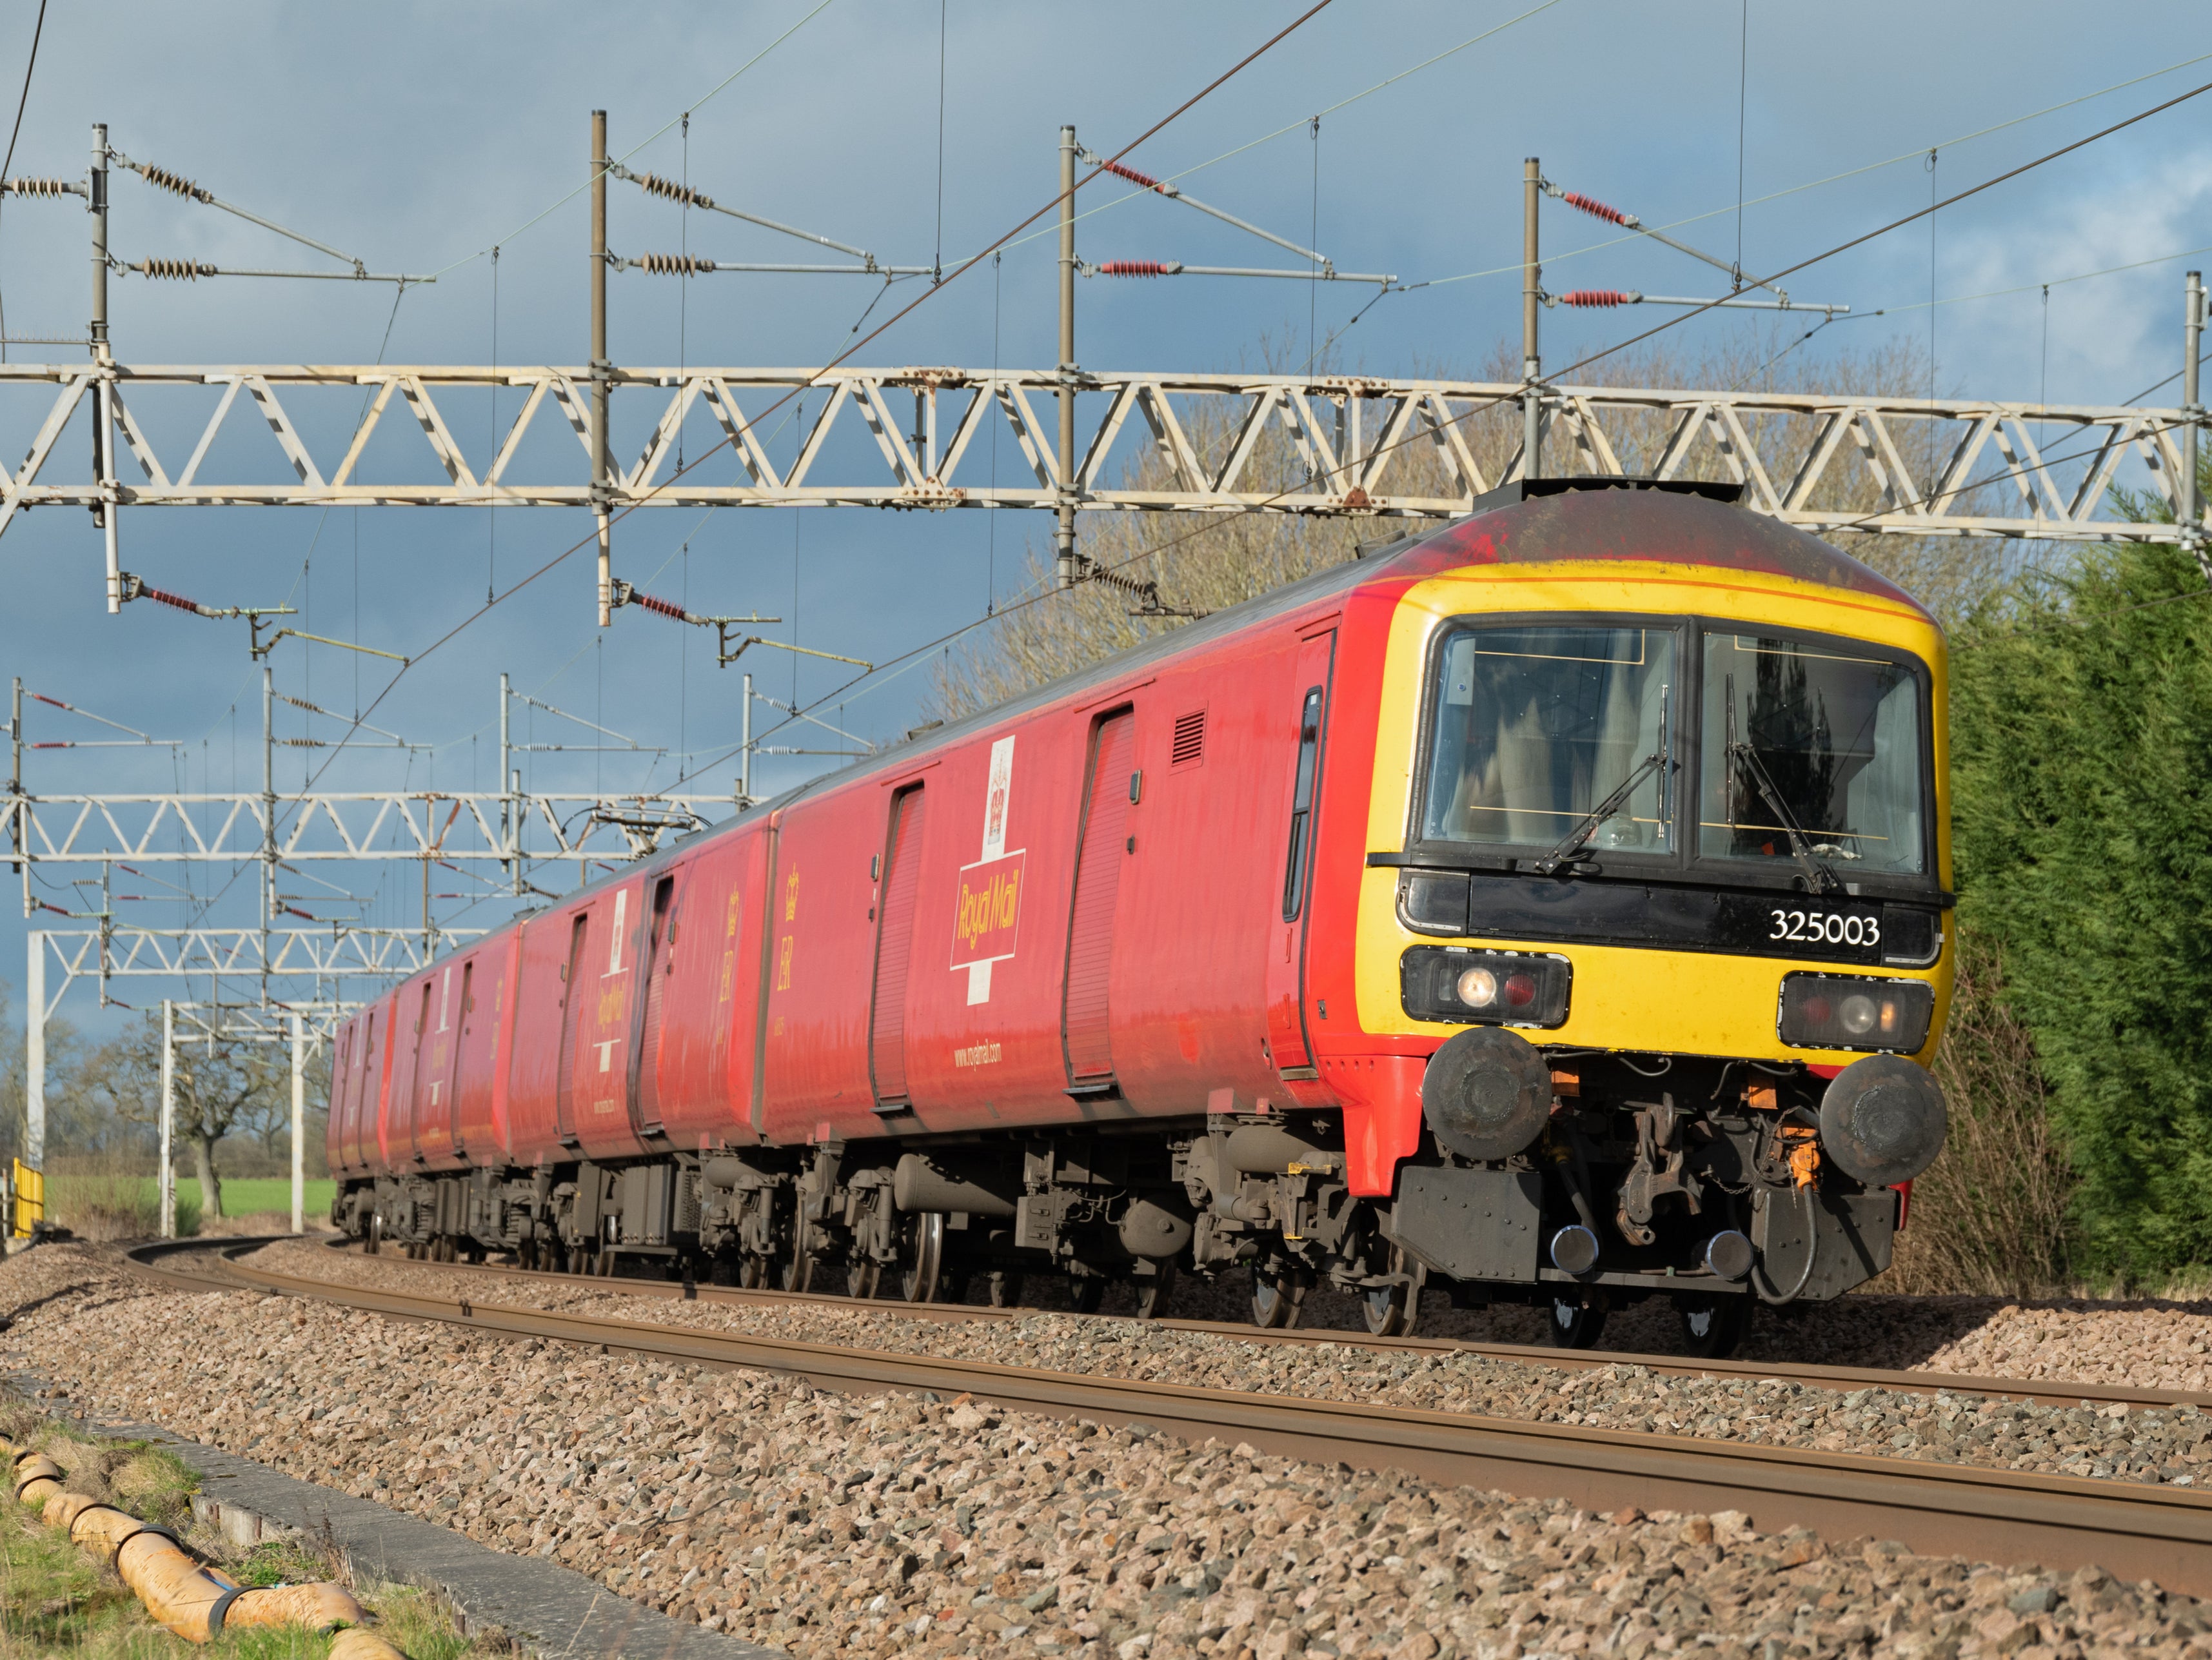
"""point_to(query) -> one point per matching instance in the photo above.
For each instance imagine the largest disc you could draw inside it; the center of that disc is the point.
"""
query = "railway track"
(2134, 1531)
(1840, 1379)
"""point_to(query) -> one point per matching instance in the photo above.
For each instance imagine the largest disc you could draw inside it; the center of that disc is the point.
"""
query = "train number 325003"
(1814, 928)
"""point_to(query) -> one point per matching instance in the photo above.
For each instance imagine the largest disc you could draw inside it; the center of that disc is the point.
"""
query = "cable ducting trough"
(194, 1601)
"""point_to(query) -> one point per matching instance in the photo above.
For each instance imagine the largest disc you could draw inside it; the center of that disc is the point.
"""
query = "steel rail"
(148, 1262)
(2042, 1391)
(2137, 1532)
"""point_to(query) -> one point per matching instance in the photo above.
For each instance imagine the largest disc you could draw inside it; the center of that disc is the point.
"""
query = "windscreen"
(1808, 733)
(1536, 727)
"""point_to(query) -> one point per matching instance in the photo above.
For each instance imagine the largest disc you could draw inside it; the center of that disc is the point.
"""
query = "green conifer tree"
(2081, 734)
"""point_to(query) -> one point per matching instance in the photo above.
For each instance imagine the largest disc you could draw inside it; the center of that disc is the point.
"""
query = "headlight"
(1477, 988)
(1848, 1012)
(1485, 987)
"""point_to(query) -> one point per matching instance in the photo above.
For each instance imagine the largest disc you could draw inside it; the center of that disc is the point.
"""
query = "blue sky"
(418, 137)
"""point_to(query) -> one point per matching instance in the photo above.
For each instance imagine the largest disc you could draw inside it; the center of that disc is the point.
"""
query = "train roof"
(1548, 521)
(1642, 521)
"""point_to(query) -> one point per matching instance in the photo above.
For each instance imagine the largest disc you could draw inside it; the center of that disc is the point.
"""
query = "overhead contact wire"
(659, 132)
(966, 266)
(22, 103)
(1608, 351)
(1831, 179)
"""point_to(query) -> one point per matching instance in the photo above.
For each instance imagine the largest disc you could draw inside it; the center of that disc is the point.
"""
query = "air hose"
(1812, 1256)
(195, 1602)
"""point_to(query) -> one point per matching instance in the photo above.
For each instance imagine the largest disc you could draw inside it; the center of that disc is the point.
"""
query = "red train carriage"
(1548, 907)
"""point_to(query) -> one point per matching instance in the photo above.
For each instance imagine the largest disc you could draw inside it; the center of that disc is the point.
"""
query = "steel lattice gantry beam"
(915, 438)
(61, 957)
(254, 1023)
(361, 826)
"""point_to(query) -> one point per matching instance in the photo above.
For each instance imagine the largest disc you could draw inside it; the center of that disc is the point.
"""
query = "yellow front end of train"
(1658, 860)
(1645, 997)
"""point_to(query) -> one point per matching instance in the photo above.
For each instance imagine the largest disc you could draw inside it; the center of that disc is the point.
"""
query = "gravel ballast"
(2156, 1444)
(827, 1525)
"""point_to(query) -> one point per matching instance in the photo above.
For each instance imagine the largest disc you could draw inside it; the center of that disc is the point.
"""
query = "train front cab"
(1654, 909)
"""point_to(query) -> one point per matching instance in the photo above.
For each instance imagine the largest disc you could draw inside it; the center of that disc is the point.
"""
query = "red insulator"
(1138, 268)
(1600, 299)
(148, 591)
(1590, 204)
(1131, 174)
(658, 607)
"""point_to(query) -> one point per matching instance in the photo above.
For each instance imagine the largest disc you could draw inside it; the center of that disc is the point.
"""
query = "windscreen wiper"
(1578, 838)
(1818, 871)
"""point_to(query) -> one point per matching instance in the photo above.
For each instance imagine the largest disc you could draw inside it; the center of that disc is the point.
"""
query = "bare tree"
(73, 1123)
(223, 1087)
(274, 1128)
(1992, 1215)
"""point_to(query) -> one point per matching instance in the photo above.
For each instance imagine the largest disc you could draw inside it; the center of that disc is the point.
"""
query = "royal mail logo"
(987, 915)
(989, 911)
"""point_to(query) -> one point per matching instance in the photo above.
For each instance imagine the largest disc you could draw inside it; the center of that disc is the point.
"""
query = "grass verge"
(57, 1600)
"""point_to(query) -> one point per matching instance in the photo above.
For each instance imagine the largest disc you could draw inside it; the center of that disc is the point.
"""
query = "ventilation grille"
(1189, 745)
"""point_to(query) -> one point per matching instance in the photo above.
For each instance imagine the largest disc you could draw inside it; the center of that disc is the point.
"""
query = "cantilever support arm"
(263, 647)
(725, 656)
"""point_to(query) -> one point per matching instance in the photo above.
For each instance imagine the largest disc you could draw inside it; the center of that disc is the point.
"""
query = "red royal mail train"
(1549, 907)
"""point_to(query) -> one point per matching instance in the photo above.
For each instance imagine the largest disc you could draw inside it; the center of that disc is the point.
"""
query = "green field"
(243, 1194)
(117, 1205)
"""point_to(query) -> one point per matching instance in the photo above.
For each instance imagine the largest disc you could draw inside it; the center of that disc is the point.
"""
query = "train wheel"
(921, 1269)
(799, 1268)
(1391, 1309)
(376, 1240)
(1279, 1296)
(1152, 1291)
(752, 1272)
(1712, 1326)
(1006, 1289)
(1087, 1293)
(861, 1274)
(1578, 1318)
